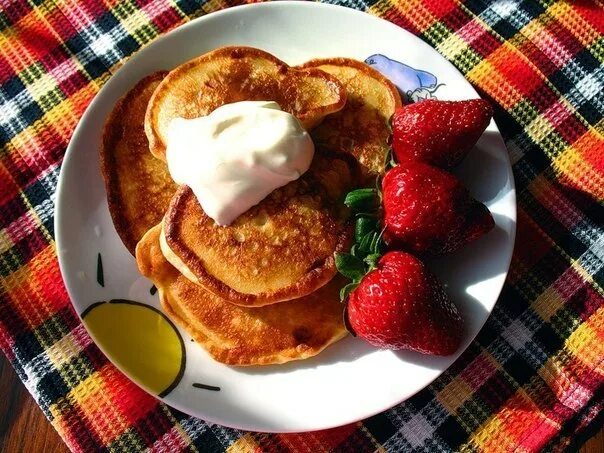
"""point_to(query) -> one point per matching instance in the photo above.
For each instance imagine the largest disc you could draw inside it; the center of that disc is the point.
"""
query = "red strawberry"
(401, 305)
(439, 132)
(427, 210)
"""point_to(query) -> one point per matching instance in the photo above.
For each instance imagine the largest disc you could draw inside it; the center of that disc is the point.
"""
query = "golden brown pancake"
(362, 127)
(244, 336)
(138, 185)
(232, 74)
(281, 249)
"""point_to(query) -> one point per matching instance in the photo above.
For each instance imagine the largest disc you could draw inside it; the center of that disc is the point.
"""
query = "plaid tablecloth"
(533, 377)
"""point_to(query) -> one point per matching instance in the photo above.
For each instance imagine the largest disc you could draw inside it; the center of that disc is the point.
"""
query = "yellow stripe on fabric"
(571, 162)
(135, 22)
(63, 350)
(92, 396)
(454, 394)
(93, 400)
(480, 438)
(486, 76)
(547, 304)
(586, 343)
(245, 444)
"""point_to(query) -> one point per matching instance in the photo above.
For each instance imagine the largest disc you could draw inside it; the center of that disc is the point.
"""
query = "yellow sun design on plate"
(141, 340)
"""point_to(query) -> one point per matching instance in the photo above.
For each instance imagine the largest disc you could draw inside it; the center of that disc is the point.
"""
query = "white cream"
(237, 155)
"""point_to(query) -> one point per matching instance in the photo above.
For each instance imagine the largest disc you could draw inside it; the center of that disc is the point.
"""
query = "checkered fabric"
(533, 377)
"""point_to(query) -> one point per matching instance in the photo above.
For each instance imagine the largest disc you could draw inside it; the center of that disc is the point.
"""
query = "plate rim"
(114, 79)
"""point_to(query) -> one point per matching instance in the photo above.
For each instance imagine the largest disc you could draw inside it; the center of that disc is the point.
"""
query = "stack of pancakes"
(264, 289)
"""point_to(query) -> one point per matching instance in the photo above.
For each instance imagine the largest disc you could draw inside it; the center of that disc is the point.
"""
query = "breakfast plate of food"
(273, 222)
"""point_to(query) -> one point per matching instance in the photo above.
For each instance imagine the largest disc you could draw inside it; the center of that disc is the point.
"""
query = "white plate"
(350, 380)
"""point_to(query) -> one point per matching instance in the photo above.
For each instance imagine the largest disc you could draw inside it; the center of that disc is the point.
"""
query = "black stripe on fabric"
(380, 427)
(586, 60)
(451, 431)
(508, 125)
(519, 369)
(504, 29)
(188, 7)
(12, 87)
(51, 387)
(27, 347)
(36, 193)
(533, 9)
(107, 22)
(207, 441)
(421, 399)
(548, 340)
(127, 45)
(599, 277)
(590, 113)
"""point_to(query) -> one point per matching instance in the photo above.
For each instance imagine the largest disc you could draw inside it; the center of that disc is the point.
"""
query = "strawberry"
(439, 132)
(401, 305)
(428, 210)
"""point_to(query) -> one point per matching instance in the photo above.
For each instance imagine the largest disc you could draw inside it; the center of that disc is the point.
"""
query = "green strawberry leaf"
(372, 260)
(350, 266)
(344, 292)
(365, 244)
(362, 200)
(364, 225)
(375, 246)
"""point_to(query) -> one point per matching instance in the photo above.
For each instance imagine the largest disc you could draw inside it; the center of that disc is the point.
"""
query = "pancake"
(362, 127)
(138, 185)
(281, 249)
(232, 74)
(235, 335)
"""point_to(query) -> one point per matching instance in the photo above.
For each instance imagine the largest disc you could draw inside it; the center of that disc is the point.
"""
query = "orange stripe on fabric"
(582, 164)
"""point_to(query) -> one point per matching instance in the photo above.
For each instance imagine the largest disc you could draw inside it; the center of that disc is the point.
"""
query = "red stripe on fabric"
(48, 280)
(542, 98)
(72, 425)
(592, 13)
(478, 372)
(485, 43)
(152, 425)
(536, 56)
(441, 8)
(571, 129)
(15, 10)
(60, 24)
(36, 37)
(531, 243)
(8, 188)
(318, 440)
(161, 14)
(591, 148)
(130, 400)
(516, 70)
(569, 283)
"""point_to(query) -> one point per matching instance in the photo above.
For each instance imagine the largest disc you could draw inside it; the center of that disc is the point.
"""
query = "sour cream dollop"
(237, 155)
